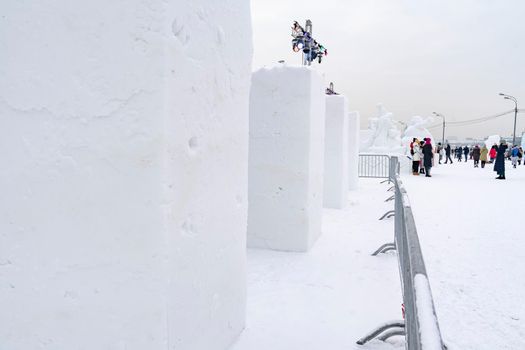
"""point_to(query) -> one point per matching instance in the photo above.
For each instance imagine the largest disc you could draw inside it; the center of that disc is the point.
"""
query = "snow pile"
(336, 152)
(383, 136)
(287, 123)
(115, 135)
(428, 324)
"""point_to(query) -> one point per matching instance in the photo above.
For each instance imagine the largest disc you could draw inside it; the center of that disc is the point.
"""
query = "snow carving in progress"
(383, 135)
(286, 160)
(124, 206)
(336, 152)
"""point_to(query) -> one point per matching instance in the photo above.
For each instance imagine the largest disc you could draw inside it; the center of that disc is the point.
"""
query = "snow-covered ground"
(334, 294)
(471, 230)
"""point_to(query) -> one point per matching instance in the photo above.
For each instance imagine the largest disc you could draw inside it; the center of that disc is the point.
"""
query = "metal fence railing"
(374, 165)
(420, 325)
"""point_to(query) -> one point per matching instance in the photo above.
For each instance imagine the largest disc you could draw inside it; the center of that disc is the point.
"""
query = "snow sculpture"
(383, 135)
(124, 206)
(287, 126)
(336, 152)
(416, 128)
(492, 140)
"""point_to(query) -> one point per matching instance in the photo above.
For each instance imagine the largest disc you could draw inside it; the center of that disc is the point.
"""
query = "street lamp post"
(441, 116)
(512, 98)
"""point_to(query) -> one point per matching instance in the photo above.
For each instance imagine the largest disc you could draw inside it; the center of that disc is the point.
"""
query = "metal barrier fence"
(420, 325)
(374, 165)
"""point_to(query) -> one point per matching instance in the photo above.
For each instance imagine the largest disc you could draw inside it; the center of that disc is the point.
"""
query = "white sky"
(415, 56)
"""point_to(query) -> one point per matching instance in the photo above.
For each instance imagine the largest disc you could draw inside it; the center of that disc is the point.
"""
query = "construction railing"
(420, 325)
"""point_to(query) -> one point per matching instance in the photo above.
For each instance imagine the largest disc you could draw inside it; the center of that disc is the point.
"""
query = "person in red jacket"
(492, 153)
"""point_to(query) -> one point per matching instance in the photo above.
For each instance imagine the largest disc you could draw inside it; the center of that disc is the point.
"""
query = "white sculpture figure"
(416, 128)
(492, 140)
(383, 135)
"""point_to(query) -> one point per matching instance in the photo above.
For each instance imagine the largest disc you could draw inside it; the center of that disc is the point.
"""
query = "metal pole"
(515, 118)
(443, 139)
(308, 28)
(515, 100)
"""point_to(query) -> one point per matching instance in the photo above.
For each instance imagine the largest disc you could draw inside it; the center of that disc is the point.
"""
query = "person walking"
(499, 164)
(459, 153)
(483, 155)
(428, 156)
(514, 155)
(493, 152)
(466, 152)
(439, 151)
(476, 155)
(447, 154)
(520, 155)
(416, 157)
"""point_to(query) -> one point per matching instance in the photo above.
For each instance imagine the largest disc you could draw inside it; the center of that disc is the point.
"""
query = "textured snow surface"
(336, 152)
(471, 230)
(287, 123)
(332, 295)
(429, 329)
(124, 205)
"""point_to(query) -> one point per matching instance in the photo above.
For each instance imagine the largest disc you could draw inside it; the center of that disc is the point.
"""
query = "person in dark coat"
(499, 164)
(447, 154)
(476, 154)
(428, 156)
(421, 162)
(459, 153)
(466, 152)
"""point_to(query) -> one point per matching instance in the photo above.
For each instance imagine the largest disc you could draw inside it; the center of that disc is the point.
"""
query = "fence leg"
(391, 333)
(388, 214)
(396, 325)
(385, 248)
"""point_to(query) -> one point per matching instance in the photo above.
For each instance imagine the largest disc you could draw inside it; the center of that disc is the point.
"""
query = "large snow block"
(353, 150)
(287, 117)
(336, 152)
(124, 137)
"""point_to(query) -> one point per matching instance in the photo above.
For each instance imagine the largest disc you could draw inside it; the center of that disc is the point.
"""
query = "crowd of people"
(423, 152)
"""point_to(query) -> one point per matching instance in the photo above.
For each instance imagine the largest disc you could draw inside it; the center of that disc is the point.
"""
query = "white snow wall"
(124, 137)
(336, 152)
(353, 150)
(287, 110)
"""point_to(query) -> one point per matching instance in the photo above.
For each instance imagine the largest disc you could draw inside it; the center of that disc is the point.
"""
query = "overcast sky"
(415, 56)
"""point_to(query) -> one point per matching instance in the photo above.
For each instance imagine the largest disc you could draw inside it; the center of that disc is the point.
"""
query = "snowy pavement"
(334, 294)
(471, 230)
